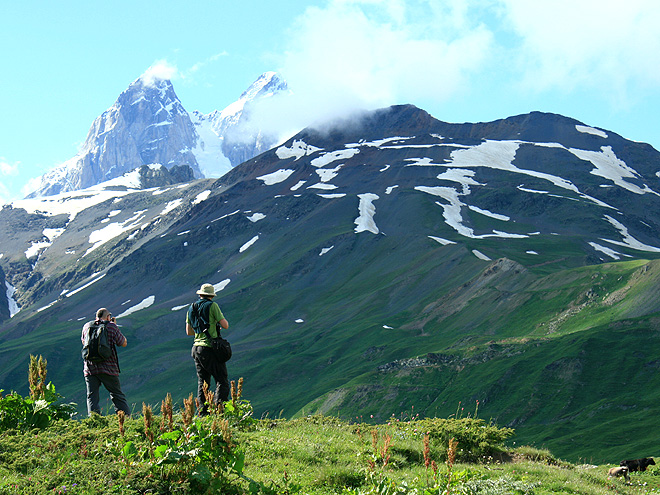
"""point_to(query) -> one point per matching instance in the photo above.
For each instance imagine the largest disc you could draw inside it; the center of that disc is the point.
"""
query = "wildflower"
(121, 416)
(239, 393)
(234, 396)
(148, 418)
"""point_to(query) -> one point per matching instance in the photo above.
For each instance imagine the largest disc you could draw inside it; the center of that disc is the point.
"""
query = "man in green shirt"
(207, 362)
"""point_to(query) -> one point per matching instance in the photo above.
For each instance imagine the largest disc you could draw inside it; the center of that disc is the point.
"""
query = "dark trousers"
(112, 385)
(207, 366)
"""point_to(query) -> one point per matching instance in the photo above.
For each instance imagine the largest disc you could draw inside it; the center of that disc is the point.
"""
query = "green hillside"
(572, 364)
(568, 359)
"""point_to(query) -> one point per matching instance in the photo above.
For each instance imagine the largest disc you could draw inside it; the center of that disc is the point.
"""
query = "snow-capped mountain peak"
(148, 124)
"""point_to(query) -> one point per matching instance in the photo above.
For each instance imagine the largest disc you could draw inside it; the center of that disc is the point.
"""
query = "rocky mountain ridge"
(149, 125)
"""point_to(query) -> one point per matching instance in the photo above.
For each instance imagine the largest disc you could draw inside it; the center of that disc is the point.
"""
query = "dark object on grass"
(638, 464)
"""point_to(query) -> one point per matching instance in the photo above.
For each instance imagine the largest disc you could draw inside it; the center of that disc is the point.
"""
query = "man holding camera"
(105, 372)
(208, 364)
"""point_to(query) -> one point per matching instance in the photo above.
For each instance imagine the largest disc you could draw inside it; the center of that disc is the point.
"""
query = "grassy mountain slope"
(574, 364)
(408, 316)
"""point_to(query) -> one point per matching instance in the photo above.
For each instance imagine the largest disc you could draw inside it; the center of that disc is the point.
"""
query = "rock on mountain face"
(147, 124)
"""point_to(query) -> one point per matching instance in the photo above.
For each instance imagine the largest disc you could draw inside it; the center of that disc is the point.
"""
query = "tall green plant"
(43, 406)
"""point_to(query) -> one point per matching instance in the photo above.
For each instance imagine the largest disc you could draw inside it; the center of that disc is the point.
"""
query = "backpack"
(198, 316)
(96, 346)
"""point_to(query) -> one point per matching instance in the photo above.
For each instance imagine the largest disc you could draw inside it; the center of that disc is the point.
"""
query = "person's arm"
(189, 329)
(224, 323)
(120, 336)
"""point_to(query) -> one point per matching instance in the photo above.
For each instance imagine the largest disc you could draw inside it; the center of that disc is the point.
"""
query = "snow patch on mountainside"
(333, 156)
(248, 244)
(276, 177)
(444, 242)
(256, 217)
(628, 240)
(332, 195)
(325, 250)
(365, 222)
(145, 303)
(171, 206)
(321, 185)
(36, 248)
(84, 286)
(453, 216)
(70, 203)
(298, 185)
(615, 255)
(499, 155)
(480, 255)
(612, 168)
(115, 229)
(13, 305)
(221, 285)
(590, 130)
(327, 174)
(380, 142)
(298, 150)
(490, 214)
(203, 196)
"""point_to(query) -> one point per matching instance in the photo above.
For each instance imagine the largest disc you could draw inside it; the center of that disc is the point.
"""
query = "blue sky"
(64, 63)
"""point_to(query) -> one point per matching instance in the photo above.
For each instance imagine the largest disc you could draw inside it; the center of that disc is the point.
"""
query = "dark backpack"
(198, 316)
(96, 345)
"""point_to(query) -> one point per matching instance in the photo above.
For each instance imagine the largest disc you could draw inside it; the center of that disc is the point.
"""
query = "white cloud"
(5, 195)
(201, 65)
(573, 44)
(350, 55)
(159, 71)
(7, 168)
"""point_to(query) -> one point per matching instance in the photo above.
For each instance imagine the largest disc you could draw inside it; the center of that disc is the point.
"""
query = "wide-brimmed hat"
(206, 290)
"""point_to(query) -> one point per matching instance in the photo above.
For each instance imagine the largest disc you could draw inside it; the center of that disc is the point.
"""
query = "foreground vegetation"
(228, 451)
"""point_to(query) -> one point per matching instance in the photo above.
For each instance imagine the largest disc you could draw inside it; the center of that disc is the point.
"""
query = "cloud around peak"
(161, 70)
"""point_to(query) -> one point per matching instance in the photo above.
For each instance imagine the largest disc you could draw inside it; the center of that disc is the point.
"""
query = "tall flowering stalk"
(427, 451)
(148, 416)
(37, 377)
(188, 413)
(209, 397)
(234, 395)
(384, 451)
(121, 416)
(451, 458)
(166, 412)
